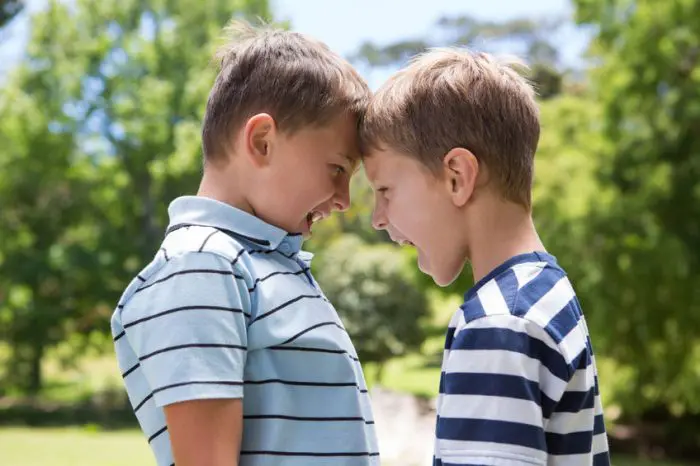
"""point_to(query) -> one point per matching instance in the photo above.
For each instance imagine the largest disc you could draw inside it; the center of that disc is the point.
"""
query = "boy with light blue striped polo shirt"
(229, 350)
(449, 145)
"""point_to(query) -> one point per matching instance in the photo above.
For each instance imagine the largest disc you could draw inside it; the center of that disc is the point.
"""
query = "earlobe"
(461, 168)
(258, 133)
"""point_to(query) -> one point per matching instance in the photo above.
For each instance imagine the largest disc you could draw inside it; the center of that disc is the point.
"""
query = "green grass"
(82, 447)
(73, 447)
(410, 374)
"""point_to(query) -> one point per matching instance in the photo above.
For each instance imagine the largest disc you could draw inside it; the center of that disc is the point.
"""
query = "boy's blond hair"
(296, 79)
(448, 98)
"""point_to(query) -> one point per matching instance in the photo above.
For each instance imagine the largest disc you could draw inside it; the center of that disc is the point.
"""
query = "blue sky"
(344, 25)
(347, 24)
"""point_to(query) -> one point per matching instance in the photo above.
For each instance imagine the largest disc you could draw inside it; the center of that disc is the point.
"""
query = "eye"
(338, 169)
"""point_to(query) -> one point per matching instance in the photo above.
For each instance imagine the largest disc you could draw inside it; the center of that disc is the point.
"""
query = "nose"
(379, 221)
(341, 200)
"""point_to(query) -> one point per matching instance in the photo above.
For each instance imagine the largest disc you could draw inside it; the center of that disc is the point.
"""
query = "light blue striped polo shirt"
(228, 308)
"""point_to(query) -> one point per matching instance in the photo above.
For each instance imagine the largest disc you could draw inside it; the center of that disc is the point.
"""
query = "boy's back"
(182, 332)
(518, 350)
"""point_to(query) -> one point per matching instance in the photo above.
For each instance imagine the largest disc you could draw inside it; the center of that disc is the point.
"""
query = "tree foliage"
(532, 39)
(9, 9)
(100, 125)
(374, 291)
(646, 239)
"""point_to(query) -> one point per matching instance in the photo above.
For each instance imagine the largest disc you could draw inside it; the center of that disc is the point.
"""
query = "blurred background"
(100, 109)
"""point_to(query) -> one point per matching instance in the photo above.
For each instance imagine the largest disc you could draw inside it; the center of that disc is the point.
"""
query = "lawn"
(83, 447)
(72, 447)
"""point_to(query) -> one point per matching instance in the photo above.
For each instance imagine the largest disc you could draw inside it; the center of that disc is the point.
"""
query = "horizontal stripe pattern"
(518, 382)
(218, 315)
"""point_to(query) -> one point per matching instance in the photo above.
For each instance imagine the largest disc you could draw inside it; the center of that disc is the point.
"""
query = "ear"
(258, 133)
(461, 170)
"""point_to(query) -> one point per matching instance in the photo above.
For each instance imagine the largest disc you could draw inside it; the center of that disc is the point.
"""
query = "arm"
(502, 377)
(205, 432)
(188, 326)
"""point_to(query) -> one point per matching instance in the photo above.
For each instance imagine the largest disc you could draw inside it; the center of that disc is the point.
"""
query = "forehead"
(383, 163)
(340, 134)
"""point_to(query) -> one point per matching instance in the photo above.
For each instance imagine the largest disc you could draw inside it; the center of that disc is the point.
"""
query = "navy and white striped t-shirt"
(228, 308)
(519, 383)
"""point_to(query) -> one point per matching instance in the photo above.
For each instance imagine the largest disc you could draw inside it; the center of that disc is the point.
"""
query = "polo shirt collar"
(203, 211)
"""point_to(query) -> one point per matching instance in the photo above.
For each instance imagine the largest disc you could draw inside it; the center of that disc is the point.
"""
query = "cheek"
(317, 176)
(427, 219)
(407, 214)
(313, 186)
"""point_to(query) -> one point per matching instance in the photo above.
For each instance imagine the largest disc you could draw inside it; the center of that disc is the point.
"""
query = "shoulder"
(535, 291)
(178, 278)
(550, 303)
(503, 294)
(202, 239)
(184, 296)
(535, 300)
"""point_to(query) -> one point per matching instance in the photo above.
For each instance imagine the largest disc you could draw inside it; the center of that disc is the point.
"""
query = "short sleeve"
(187, 325)
(502, 377)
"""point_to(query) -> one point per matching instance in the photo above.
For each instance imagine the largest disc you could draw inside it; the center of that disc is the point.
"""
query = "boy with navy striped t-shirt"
(449, 145)
(229, 350)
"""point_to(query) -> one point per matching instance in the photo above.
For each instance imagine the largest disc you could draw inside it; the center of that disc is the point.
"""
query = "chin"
(444, 280)
(443, 276)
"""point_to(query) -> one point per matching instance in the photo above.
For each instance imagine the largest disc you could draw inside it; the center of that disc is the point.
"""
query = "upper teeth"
(316, 216)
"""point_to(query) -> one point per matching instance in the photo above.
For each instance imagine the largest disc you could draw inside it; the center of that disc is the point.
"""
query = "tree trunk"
(379, 374)
(35, 381)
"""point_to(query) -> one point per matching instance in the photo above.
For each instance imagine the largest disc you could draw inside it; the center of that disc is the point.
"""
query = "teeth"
(316, 216)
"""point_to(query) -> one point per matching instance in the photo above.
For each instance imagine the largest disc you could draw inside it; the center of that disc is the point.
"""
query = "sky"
(345, 25)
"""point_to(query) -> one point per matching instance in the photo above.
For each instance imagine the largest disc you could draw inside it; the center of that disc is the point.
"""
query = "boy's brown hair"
(448, 98)
(296, 79)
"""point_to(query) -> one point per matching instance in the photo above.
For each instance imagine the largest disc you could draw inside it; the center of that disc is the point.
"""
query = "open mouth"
(313, 217)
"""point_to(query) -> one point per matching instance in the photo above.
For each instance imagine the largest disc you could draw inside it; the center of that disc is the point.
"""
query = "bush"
(376, 293)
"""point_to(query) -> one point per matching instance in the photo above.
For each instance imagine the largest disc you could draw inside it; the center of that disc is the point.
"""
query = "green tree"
(9, 9)
(43, 251)
(532, 39)
(374, 291)
(647, 237)
(101, 123)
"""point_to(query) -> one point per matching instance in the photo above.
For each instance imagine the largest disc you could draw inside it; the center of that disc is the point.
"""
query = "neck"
(503, 230)
(221, 184)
